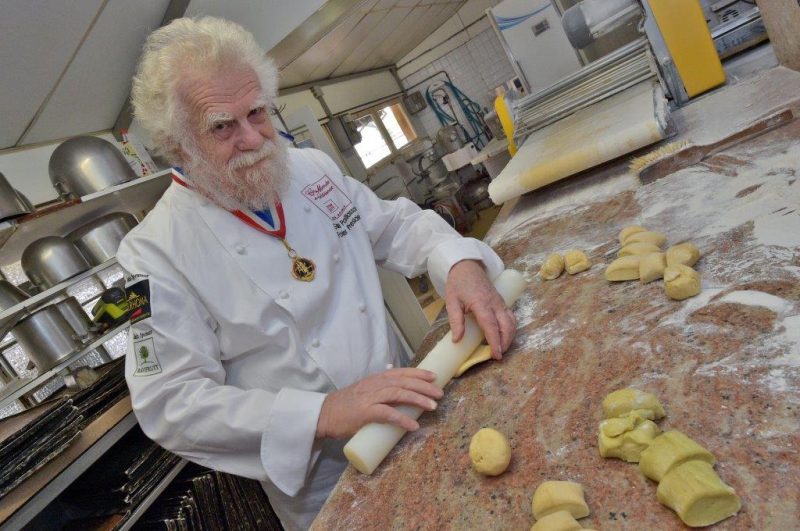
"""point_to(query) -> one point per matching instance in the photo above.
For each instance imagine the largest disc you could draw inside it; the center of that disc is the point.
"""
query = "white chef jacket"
(240, 355)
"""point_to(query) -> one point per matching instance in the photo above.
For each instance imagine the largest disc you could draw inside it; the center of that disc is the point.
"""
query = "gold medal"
(302, 268)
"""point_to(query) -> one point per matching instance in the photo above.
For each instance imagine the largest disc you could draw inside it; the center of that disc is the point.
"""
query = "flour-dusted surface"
(726, 364)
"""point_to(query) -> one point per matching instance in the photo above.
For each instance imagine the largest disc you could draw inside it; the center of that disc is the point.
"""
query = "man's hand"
(345, 411)
(469, 290)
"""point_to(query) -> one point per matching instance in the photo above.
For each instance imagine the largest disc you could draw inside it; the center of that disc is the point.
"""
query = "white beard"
(228, 186)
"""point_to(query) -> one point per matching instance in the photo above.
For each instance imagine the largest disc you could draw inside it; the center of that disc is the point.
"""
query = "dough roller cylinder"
(368, 448)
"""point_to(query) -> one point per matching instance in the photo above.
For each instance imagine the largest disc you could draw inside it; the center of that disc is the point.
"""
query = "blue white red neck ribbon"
(270, 221)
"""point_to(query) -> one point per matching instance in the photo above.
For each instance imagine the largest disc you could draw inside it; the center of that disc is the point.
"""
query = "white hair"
(184, 46)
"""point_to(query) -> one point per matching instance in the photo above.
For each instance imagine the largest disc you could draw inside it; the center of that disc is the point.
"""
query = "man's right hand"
(345, 411)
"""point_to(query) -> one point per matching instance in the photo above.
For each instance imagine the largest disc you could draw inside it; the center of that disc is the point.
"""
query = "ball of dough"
(656, 238)
(681, 282)
(639, 248)
(629, 400)
(489, 452)
(625, 233)
(625, 268)
(576, 261)
(683, 254)
(626, 437)
(652, 266)
(552, 267)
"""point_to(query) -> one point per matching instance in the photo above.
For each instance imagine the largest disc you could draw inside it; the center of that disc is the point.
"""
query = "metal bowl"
(86, 164)
(12, 203)
(46, 337)
(99, 240)
(10, 295)
(51, 260)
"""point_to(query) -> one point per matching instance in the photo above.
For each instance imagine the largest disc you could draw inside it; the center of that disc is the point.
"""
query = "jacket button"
(336, 258)
(284, 294)
(315, 343)
(307, 208)
(362, 307)
(241, 249)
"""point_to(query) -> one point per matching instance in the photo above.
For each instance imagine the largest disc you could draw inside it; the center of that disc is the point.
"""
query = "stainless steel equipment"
(12, 203)
(46, 337)
(99, 240)
(77, 318)
(51, 260)
(86, 164)
(10, 295)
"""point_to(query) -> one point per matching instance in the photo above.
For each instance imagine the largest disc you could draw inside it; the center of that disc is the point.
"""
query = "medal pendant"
(303, 269)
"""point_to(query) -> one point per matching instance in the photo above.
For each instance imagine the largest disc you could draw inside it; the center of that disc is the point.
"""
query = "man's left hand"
(469, 290)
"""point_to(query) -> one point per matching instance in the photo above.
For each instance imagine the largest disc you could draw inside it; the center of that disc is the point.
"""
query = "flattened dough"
(625, 268)
(552, 267)
(479, 355)
(576, 261)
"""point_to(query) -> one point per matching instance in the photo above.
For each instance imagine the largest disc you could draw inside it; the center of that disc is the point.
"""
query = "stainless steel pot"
(99, 240)
(46, 337)
(10, 295)
(51, 260)
(12, 203)
(86, 164)
(73, 313)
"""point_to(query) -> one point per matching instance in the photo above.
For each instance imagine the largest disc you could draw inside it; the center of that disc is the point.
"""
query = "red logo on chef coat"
(334, 203)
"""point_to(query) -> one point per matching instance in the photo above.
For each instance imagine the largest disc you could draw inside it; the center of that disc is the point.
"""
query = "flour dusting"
(758, 298)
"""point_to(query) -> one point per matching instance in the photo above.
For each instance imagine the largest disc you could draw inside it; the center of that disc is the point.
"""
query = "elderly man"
(262, 341)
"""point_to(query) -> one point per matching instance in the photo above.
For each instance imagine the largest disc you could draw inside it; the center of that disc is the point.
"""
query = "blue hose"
(471, 110)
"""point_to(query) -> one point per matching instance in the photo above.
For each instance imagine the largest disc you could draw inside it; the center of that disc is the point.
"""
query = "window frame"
(407, 126)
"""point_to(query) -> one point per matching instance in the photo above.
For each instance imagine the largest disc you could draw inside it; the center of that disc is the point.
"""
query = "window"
(384, 130)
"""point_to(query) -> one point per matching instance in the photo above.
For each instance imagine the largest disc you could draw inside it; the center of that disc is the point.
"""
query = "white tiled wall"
(476, 68)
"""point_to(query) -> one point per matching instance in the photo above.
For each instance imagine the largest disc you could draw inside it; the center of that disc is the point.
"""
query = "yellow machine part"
(689, 41)
(501, 108)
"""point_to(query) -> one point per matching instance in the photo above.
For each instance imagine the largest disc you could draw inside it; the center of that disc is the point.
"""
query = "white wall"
(476, 68)
(450, 35)
(269, 20)
(26, 170)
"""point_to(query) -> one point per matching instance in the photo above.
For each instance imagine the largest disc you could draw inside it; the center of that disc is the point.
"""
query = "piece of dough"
(489, 452)
(576, 261)
(479, 355)
(554, 496)
(552, 267)
(651, 267)
(683, 254)
(697, 494)
(640, 248)
(629, 400)
(656, 238)
(626, 233)
(626, 437)
(557, 521)
(681, 282)
(668, 450)
(625, 268)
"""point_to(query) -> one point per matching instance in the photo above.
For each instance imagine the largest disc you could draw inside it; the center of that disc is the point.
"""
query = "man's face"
(233, 154)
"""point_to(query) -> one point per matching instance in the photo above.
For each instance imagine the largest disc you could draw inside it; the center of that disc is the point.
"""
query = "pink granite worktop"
(726, 364)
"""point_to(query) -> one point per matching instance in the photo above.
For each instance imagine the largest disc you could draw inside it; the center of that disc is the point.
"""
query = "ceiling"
(67, 66)
(350, 36)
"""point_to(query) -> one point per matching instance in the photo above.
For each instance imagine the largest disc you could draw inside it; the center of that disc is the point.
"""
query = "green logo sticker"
(147, 363)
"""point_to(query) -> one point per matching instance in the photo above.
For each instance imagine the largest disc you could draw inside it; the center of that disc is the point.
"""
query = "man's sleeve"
(178, 389)
(409, 240)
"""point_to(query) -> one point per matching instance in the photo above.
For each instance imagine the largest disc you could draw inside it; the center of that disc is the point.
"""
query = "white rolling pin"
(368, 448)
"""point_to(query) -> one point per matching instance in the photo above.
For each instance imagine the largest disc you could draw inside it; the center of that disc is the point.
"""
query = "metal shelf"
(15, 391)
(154, 494)
(61, 218)
(40, 299)
(27, 500)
